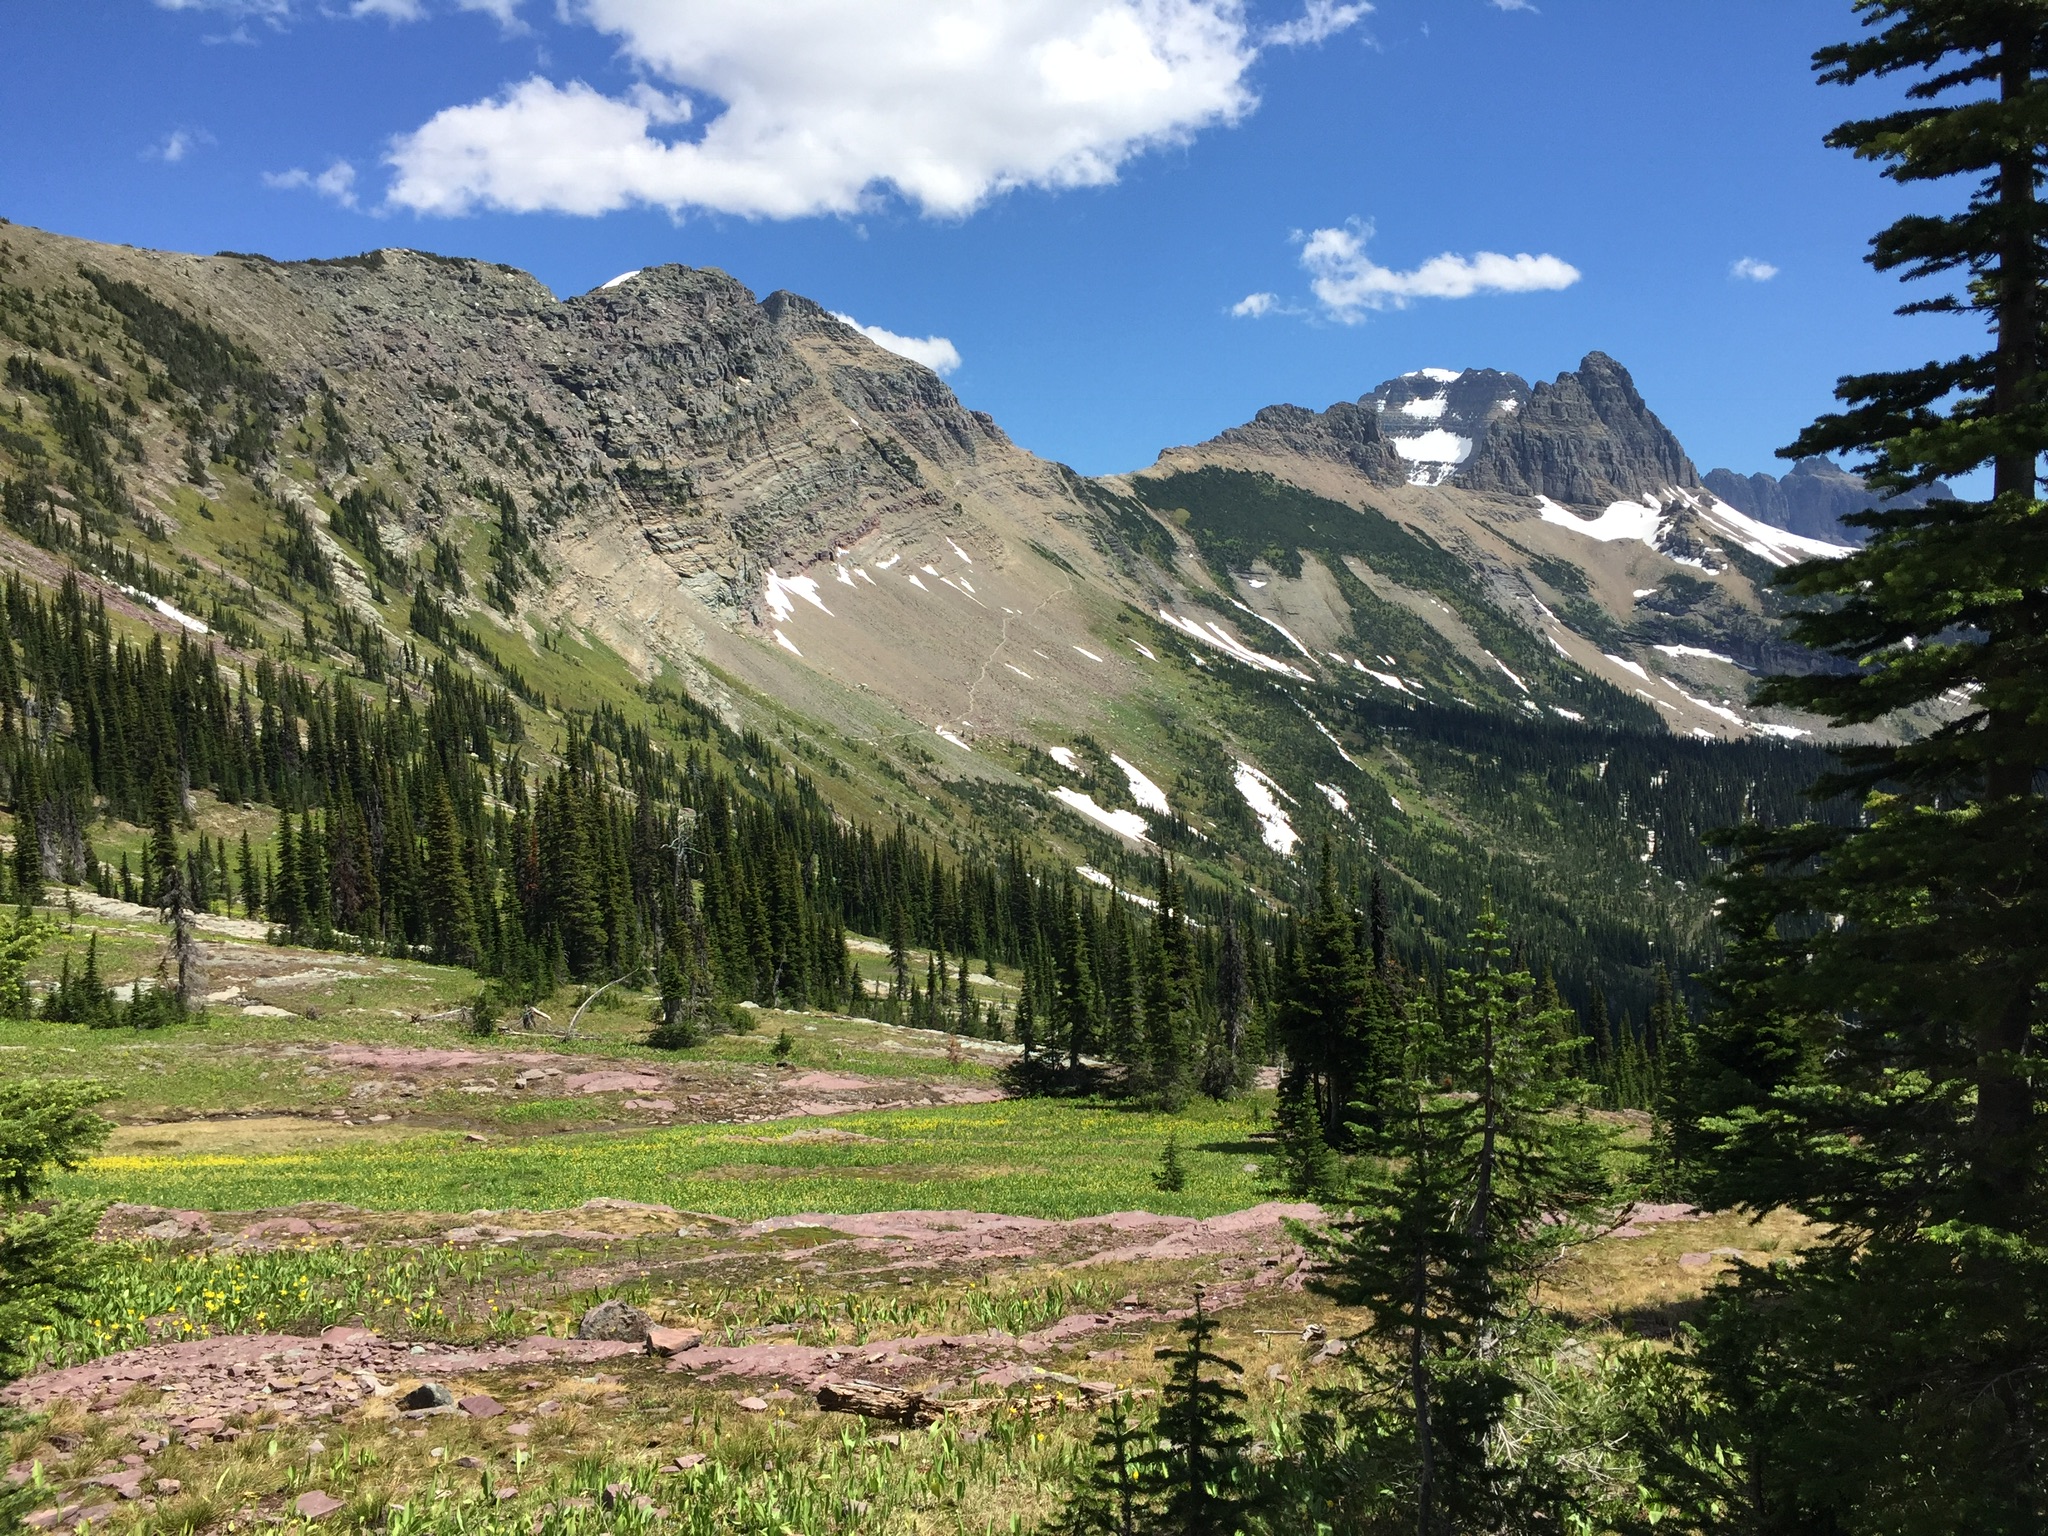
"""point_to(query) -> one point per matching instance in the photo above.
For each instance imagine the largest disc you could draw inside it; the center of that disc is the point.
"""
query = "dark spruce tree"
(1483, 1173)
(1876, 1063)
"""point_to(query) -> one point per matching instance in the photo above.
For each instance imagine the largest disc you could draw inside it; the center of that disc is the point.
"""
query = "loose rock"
(673, 1341)
(616, 1320)
(315, 1505)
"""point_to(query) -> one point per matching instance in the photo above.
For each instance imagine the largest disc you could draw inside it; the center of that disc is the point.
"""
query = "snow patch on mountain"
(781, 595)
(1263, 796)
(1622, 521)
(1124, 823)
(1286, 633)
(1147, 794)
(1212, 634)
(1435, 455)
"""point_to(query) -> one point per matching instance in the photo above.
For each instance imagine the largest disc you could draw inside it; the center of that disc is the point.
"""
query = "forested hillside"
(353, 596)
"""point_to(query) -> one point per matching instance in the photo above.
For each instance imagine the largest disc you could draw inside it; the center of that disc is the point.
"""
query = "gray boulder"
(617, 1320)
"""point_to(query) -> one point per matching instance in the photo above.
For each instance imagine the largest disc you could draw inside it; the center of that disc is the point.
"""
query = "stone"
(166, 1486)
(428, 1394)
(617, 1320)
(315, 1505)
(753, 1405)
(480, 1405)
(673, 1341)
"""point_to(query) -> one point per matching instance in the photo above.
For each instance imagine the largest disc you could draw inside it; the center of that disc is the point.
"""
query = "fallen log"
(876, 1402)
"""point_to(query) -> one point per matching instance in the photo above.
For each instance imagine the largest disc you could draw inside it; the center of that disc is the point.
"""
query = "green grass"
(1024, 1157)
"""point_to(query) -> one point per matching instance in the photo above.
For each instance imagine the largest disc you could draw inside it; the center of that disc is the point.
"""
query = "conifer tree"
(287, 891)
(1075, 996)
(899, 957)
(451, 911)
(251, 880)
(48, 1258)
(1449, 1232)
(1196, 1469)
(1333, 1018)
(1224, 1070)
(1171, 1063)
(1113, 1501)
(1875, 1061)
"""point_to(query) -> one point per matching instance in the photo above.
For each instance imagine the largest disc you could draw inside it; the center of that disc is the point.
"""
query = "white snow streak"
(1148, 794)
(1124, 823)
(1693, 650)
(1210, 633)
(1284, 630)
(780, 593)
(1262, 795)
(170, 611)
(1630, 666)
(1623, 521)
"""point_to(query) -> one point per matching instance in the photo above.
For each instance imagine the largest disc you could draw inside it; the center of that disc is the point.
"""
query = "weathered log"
(876, 1402)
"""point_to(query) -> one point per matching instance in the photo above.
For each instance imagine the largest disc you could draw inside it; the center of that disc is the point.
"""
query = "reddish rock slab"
(480, 1405)
(315, 1505)
(668, 1342)
(614, 1082)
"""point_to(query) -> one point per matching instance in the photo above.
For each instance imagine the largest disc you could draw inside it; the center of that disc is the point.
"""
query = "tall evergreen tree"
(1449, 1231)
(451, 909)
(1876, 1061)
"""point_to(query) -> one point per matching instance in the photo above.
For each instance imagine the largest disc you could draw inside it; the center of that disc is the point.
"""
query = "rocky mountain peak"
(1586, 439)
(1812, 498)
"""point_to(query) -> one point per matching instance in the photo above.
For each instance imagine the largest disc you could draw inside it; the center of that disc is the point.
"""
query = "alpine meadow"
(619, 914)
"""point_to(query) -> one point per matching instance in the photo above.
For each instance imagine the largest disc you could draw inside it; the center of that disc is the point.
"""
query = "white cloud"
(265, 10)
(1514, 5)
(1253, 305)
(1321, 19)
(818, 106)
(178, 144)
(935, 352)
(1348, 282)
(338, 181)
(1750, 270)
(280, 12)
(504, 12)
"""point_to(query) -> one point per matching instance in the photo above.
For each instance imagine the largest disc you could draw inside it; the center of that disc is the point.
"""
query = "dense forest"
(415, 824)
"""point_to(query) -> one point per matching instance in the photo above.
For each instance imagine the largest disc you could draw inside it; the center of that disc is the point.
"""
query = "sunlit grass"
(1021, 1157)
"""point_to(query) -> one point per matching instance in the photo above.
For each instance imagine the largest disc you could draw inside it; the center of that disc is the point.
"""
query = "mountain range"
(1497, 638)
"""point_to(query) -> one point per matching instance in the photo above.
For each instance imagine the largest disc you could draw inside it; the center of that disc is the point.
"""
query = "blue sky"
(1075, 194)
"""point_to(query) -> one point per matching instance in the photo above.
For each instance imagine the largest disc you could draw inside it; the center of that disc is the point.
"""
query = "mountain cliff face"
(1401, 622)
(1586, 439)
(1812, 499)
